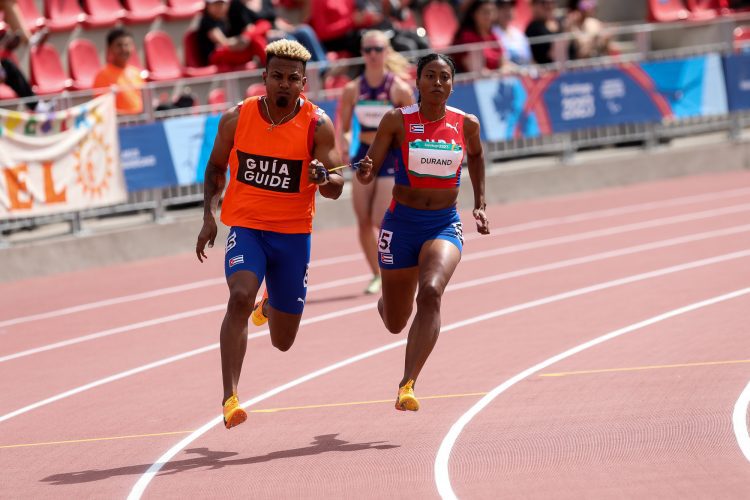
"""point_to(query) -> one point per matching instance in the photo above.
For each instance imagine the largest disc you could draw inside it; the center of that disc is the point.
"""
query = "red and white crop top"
(432, 153)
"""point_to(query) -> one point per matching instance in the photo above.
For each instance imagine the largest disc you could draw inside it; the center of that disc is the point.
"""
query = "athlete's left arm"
(475, 158)
(325, 153)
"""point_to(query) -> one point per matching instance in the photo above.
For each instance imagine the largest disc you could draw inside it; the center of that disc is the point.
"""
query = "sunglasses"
(377, 50)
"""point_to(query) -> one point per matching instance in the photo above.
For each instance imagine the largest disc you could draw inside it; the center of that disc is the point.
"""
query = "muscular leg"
(243, 287)
(362, 197)
(283, 327)
(437, 261)
(395, 306)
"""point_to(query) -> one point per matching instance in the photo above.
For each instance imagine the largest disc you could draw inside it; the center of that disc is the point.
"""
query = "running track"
(594, 346)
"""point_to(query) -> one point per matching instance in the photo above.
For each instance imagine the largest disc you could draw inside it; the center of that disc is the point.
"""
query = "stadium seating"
(31, 15)
(83, 63)
(161, 57)
(183, 9)
(664, 11)
(440, 22)
(256, 89)
(63, 15)
(192, 59)
(102, 13)
(6, 92)
(702, 9)
(217, 96)
(143, 11)
(47, 74)
(522, 14)
(742, 38)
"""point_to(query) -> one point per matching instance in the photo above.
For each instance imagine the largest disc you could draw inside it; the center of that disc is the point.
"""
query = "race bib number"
(459, 229)
(384, 241)
(231, 241)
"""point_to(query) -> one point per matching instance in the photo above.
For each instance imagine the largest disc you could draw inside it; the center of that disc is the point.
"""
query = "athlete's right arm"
(389, 128)
(215, 179)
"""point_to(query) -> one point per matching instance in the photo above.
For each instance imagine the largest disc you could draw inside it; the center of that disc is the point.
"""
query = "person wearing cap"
(223, 43)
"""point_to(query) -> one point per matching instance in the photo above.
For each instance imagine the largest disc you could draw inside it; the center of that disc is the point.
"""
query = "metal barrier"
(638, 38)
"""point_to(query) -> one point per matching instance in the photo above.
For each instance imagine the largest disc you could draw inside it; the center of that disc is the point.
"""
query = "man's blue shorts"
(282, 259)
(404, 230)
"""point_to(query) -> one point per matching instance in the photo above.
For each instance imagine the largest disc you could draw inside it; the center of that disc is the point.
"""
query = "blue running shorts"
(404, 230)
(282, 259)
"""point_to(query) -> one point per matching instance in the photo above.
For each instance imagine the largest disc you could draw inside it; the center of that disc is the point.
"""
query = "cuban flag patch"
(416, 128)
(238, 259)
(386, 258)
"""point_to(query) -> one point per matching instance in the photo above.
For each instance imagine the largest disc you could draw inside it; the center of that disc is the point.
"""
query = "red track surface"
(663, 430)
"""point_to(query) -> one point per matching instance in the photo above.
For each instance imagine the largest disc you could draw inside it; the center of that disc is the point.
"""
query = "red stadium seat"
(6, 92)
(183, 9)
(103, 13)
(664, 11)
(143, 11)
(31, 15)
(256, 89)
(47, 74)
(83, 63)
(193, 65)
(742, 38)
(63, 15)
(522, 14)
(161, 57)
(217, 96)
(702, 9)
(336, 82)
(440, 22)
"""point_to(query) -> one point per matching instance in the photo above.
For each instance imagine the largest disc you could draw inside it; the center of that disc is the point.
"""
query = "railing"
(639, 38)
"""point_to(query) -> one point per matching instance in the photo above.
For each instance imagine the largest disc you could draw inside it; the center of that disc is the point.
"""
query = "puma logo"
(454, 127)
(300, 299)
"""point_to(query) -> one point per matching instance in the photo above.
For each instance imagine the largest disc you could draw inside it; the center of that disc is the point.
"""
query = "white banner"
(60, 161)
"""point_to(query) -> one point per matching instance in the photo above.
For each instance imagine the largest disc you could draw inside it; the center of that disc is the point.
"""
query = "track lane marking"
(143, 482)
(441, 471)
(647, 367)
(356, 279)
(584, 216)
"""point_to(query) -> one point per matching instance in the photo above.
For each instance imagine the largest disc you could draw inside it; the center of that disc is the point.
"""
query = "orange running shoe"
(233, 414)
(406, 400)
(257, 317)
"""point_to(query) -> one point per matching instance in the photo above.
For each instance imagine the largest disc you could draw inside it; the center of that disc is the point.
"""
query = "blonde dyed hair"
(394, 62)
(287, 49)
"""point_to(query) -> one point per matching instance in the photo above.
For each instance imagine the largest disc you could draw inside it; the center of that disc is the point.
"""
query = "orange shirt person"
(117, 72)
(279, 148)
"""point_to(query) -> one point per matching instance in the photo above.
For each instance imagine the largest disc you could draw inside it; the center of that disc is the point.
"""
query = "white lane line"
(739, 422)
(164, 319)
(598, 214)
(442, 474)
(171, 359)
(459, 286)
(146, 478)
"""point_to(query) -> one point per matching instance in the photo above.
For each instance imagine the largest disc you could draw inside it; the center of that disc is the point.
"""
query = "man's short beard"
(282, 102)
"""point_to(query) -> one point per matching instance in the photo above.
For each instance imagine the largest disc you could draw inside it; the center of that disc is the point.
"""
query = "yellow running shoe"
(374, 286)
(406, 399)
(257, 317)
(233, 414)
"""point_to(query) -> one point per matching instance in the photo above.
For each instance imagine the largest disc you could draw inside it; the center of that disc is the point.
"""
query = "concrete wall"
(505, 183)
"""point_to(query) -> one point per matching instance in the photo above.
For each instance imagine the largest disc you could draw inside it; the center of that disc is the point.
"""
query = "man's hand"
(207, 235)
(317, 173)
(364, 173)
(483, 225)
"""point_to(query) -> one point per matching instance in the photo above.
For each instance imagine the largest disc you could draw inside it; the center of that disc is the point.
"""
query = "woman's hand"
(364, 173)
(483, 224)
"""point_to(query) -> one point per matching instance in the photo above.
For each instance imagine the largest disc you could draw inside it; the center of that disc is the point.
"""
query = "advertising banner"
(60, 161)
(737, 71)
(502, 103)
(145, 157)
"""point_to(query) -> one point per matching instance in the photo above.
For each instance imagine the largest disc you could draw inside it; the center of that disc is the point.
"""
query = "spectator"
(476, 27)
(120, 74)
(515, 45)
(544, 23)
(243, 13)
(228, 42)
(18, 33)
(590, 39)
